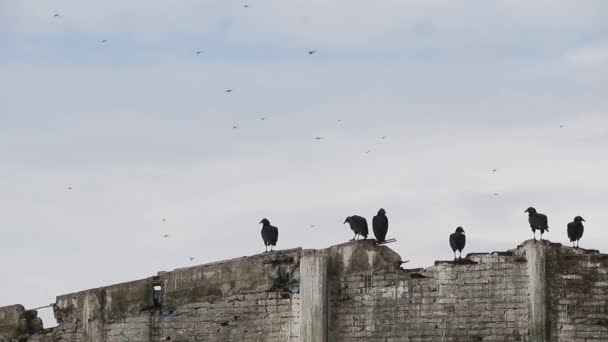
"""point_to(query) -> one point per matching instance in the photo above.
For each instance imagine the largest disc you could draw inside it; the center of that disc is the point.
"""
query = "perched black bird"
(457, 241)
(575, 230)
(270, 234)
(358, 225)
(537, 221)
(380, 226)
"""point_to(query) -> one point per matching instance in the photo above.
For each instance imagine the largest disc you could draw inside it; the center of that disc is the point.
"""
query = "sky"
(140, 127)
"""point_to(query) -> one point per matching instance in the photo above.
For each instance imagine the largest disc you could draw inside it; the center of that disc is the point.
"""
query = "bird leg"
(534, 231)
(459, 254)
(541, 235)
(266, 249)
(353, 239)
(454, 255)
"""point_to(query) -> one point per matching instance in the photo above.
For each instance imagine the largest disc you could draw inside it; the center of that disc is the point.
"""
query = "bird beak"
(261, 221)
(582, 219)
(526, 211)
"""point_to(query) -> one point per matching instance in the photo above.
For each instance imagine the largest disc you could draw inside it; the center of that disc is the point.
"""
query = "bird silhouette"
(164, 220)
(235, 127)
(310, 52)
(228, 90)
(380, 226)
(198, 52)
(270, 234)
(104, 41)
(358, 225)
(575, 230)
(457, 241)
(537, 222)
(56, 15)
(166, 235)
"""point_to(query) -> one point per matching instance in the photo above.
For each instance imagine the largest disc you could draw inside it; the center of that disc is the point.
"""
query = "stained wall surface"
(481, 298)
(577, 294)
(355, 291)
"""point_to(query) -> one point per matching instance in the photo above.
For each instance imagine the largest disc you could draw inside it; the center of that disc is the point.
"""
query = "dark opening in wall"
(156, 294)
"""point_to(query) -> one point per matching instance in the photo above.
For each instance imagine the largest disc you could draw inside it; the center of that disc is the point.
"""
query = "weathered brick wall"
(351, 292)
(246, 299)
(578, 294)
(481, 298)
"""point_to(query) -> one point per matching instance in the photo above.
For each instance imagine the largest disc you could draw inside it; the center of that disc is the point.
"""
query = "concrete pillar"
(537, 287)
(92, 316)
(314, 296)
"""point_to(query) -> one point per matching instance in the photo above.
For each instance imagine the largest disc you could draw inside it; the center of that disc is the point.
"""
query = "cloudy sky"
(140, 127)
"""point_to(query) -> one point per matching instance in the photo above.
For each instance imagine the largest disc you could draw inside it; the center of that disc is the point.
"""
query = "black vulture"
(358, 225)
(457, 241)
(575, 230)
(270, 234)
(537, 221)
(380, 226)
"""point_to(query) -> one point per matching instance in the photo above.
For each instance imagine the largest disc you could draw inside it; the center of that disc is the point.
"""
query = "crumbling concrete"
(314, 296)
(355, 291)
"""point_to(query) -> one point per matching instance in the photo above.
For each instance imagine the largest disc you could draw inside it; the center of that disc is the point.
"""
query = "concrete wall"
(481, 298)
(351, 292)
(577, 294)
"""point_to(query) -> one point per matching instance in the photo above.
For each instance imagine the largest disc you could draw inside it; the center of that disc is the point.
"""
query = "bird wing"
(266, 234)
(453, 241)
(380, 227)
(572, 231)
(275, 235)
(457, 241)
(364, 227)
(544, 221)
